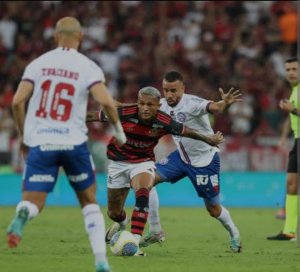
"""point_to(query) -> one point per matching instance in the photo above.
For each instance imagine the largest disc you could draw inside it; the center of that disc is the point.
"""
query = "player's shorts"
(293, 161)
(205, 179)
(120, 173)
(43, 162)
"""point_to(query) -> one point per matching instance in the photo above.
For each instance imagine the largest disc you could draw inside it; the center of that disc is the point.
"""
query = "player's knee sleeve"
(32, 208)
(142, 199)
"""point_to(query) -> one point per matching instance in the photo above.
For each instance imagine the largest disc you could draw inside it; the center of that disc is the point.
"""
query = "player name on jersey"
(60, 73)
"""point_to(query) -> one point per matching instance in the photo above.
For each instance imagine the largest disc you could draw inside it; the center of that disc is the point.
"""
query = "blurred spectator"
(213, 43)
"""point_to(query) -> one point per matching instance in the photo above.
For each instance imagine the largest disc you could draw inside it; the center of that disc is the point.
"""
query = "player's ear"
(81, 35)
(56, 36)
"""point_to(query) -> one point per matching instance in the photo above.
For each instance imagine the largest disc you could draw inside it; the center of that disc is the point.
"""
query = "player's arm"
(20, 98)
(232, 96)
(102, 96)
(98, 116)
(212, 140)
(287, 106)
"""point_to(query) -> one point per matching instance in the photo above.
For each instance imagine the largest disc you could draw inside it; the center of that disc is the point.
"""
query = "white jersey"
(192, 112)
(57, 108)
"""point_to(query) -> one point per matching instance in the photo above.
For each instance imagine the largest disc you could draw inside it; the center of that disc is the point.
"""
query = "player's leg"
(222, 214)
(40, 174)
(167, 169)
(118, 184)
(206, 182)
(79, 169)
(291, 214)
(115, 210)
(94, 225)
(142, 179)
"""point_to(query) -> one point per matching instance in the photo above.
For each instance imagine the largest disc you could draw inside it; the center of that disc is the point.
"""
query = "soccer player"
(132, 165)
(292, 107)
(194, 159)
(53, 133)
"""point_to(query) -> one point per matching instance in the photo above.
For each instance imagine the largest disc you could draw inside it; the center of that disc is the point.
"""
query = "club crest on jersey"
(153, 132)
(181, 117)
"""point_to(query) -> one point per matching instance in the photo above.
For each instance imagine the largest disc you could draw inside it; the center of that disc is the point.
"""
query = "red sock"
(140, 213)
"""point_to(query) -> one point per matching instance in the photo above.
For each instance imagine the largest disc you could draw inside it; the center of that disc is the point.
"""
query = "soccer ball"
(123, 243)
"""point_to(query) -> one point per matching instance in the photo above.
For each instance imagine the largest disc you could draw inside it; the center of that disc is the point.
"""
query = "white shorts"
(120, 173)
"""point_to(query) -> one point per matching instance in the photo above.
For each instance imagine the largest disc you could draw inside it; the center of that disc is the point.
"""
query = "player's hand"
(232, 96)
(215, 139)
(286, 105)
(120, 137)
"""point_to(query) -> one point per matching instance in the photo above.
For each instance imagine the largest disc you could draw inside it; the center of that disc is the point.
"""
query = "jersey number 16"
(60, 107)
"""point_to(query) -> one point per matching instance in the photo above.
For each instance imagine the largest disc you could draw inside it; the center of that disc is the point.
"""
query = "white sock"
(153, 217)
(123, 223)
(95, 228)
(227, 222)
(32, 208)
(138, 238)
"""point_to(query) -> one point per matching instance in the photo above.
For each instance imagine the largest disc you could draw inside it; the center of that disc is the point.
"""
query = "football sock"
(227, 222)
(32, 208)
(123, 224)
(122, 220)
(154, 220)
(291, 217)
(138, 237)
(94, 226)
(140, 213)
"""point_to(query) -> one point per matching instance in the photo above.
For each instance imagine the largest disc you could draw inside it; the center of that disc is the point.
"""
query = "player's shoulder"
(42, 58)
(86, 62)
(128, 110)
(163, 117)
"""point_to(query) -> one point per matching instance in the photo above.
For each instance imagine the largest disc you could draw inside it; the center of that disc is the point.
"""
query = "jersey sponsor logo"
(138, 144)
(54, 147)
(54, 130)
(41, 178)
(78, 178)
(181, 117)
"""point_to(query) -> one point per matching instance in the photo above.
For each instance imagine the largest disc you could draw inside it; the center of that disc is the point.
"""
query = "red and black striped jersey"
(141, 137)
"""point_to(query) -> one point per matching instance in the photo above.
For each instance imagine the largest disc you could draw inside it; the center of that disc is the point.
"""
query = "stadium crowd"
(212, 43)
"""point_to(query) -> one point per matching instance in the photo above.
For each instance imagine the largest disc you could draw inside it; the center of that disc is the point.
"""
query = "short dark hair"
(293, 59)
(172, 76)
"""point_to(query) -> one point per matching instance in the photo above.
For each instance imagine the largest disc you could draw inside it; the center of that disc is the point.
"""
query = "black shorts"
(293, 162)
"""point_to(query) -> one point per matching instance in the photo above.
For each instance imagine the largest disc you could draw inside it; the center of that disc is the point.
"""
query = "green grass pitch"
(56, 241)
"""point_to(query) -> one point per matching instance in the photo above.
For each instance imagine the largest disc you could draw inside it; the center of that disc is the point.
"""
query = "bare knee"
(214, 210)
(88, 196)
(116, 215)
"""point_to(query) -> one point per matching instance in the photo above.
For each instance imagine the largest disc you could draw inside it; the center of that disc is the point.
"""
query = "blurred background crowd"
(241, 44)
